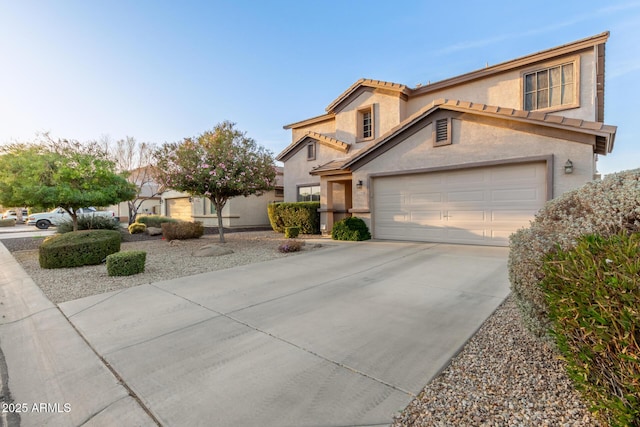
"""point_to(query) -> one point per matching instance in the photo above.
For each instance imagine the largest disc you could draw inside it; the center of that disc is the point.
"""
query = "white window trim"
(360, 123)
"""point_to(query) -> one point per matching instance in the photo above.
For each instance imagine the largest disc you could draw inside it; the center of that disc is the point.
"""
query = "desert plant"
(7, 222)
(126, 263)
(300, 214)
(593, 291)
(154, 220)
(89, 222)
(351, 228)
(182, 230)
(291, 232)
(290, 246)
(77, 248)
(137, 228)
(599, 207)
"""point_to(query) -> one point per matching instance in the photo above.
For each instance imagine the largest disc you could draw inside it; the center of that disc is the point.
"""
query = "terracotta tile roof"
(333, 165)
(311, 121)
(565, 49)
(605, 134)
(323, 139)
(377, 84)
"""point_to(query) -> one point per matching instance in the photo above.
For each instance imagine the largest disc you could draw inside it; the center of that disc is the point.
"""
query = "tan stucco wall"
(238, 212)
(296, 169)
(327, 128)
(387, 114)
(505, 90)
(473, 143)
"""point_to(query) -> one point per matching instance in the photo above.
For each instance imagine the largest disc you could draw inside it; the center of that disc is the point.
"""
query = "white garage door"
(481, 206)
(179, 208)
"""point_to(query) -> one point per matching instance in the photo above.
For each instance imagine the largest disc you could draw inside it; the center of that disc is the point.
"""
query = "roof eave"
(565, 49)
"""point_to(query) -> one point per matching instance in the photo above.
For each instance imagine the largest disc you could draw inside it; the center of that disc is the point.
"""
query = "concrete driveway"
(344, 335)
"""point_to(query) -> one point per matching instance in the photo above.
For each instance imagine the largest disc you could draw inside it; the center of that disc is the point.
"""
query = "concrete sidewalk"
(53, 376)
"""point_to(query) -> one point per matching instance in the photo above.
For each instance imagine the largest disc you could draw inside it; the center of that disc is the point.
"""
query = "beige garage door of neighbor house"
(179, 208)
(480, 206)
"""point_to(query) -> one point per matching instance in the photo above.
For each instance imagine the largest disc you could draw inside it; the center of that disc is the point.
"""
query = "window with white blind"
(550, 87)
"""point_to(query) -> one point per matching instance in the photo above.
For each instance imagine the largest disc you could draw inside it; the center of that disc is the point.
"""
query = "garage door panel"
(426, 217)
(179, 208)
(422, 198)
(466, 235)
(455, 216)
(463, 177)
(466, 196)
(477, 206)
(516, 194)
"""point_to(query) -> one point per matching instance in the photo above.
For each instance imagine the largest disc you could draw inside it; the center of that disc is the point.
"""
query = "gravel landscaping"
(165, 260)
(502, 376)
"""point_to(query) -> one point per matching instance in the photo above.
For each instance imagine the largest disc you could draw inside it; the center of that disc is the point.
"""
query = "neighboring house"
(238, 212)
(469, 159)
(147, 200)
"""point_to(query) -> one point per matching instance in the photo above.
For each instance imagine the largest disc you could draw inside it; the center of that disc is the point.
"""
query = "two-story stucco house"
(468, 160)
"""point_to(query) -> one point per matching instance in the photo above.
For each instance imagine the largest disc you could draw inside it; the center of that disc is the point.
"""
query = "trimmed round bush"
(89, 222)
(600, 207)
(137, 228)
(291, 232)
(154, 220)
(352, 228)
(126, 263)
(77, 248)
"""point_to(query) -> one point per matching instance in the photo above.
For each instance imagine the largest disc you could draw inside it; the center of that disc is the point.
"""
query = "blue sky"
(160, 71)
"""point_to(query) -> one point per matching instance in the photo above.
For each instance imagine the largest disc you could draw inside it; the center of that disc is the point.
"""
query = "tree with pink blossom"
(219, 164)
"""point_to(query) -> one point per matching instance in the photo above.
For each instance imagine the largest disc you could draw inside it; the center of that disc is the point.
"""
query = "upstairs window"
(365, 124)
(550, 87)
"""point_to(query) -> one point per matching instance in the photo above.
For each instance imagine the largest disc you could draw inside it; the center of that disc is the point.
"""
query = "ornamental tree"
(135, 158)
(219, 164)
(60, 173)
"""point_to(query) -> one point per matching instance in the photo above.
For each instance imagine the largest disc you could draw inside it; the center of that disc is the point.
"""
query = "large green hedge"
(300, 214)
(599, 207)
(593, 293)
(78, 248)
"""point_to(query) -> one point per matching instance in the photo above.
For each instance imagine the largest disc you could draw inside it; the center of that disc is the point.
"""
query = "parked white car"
(57, 216)
(11, 214)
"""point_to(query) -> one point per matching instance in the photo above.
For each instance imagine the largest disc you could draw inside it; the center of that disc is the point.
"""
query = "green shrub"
(291, 232)
(300, 214)
(593, 294)
(290, 246)
(89, 222)
(599, 207)
(137, 228)
(7, 222)
(182, 230)
(126, 263)
(87, 247)
(154, 220)
(351, 228)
